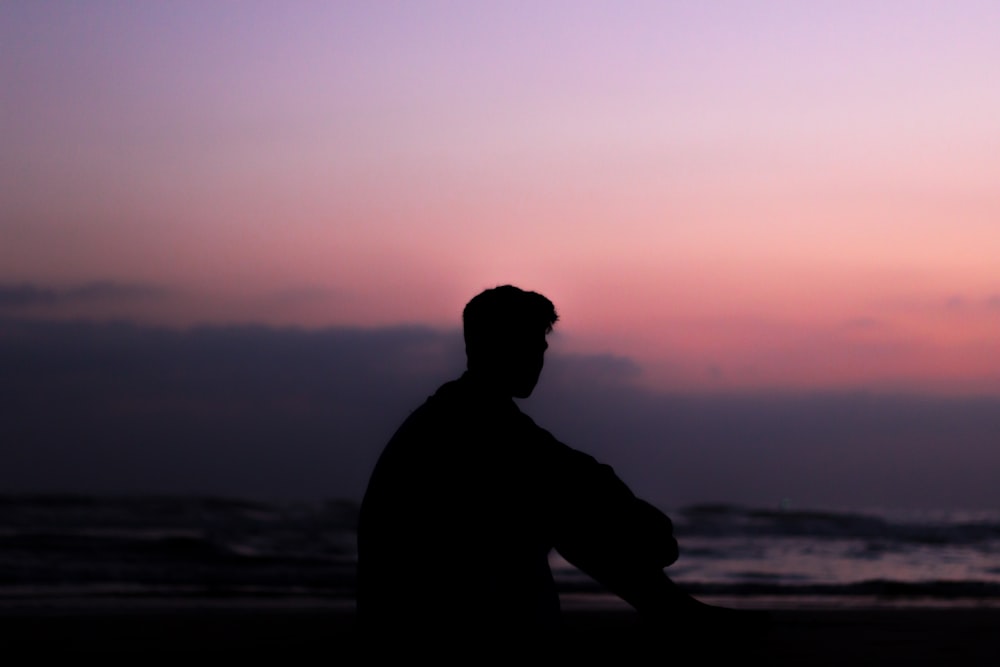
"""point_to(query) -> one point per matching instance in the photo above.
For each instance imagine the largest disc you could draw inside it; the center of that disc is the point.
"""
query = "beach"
(911, 636)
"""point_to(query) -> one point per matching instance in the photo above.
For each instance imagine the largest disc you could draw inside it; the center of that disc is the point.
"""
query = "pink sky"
(737, 195)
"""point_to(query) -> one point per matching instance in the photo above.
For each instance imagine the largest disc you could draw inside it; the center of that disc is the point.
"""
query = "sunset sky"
(736, 194)
(728, 198)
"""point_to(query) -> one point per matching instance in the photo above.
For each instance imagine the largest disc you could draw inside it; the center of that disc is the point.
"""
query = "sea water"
(116, 550)
(832, 558)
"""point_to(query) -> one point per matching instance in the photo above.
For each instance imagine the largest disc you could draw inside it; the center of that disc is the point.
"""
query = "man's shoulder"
(445, 409)
(459, 407)
(466, 397)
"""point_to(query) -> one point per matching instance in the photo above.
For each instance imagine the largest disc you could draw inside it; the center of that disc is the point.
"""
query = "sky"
(734, 200)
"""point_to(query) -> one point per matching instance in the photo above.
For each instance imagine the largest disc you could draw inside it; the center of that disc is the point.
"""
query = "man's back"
(453, 525)
(464, 506)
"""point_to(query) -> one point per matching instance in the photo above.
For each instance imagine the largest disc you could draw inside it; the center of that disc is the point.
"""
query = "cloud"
(248, 410)
(605, 369)
(977, 304)
(863, 323)
(306, 295)
(27, 295)
(955, 302)
(267, 412)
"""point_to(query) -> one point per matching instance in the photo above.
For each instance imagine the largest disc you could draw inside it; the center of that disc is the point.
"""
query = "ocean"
(89, 551)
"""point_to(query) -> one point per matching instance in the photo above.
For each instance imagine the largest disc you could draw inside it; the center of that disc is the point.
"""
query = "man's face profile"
(525, 362)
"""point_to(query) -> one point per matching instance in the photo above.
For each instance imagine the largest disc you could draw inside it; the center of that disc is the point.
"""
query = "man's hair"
(494, 315)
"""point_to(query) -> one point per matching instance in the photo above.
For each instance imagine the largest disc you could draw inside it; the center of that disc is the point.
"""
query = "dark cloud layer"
(28, 295)
(286, 413)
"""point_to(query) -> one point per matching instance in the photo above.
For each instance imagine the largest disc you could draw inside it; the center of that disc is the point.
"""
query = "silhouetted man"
(470, 496)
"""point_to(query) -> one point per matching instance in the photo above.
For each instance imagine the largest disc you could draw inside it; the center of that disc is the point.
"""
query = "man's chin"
(524, 392)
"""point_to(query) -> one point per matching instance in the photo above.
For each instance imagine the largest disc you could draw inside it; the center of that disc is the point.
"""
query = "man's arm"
(619, 540)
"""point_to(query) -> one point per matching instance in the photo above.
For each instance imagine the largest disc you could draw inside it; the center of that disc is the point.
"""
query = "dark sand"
(809, 637)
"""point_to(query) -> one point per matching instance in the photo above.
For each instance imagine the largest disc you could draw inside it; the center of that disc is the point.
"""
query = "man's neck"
(486, 384)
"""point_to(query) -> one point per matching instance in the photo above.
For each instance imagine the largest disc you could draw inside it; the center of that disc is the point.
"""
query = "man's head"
(505, 330)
